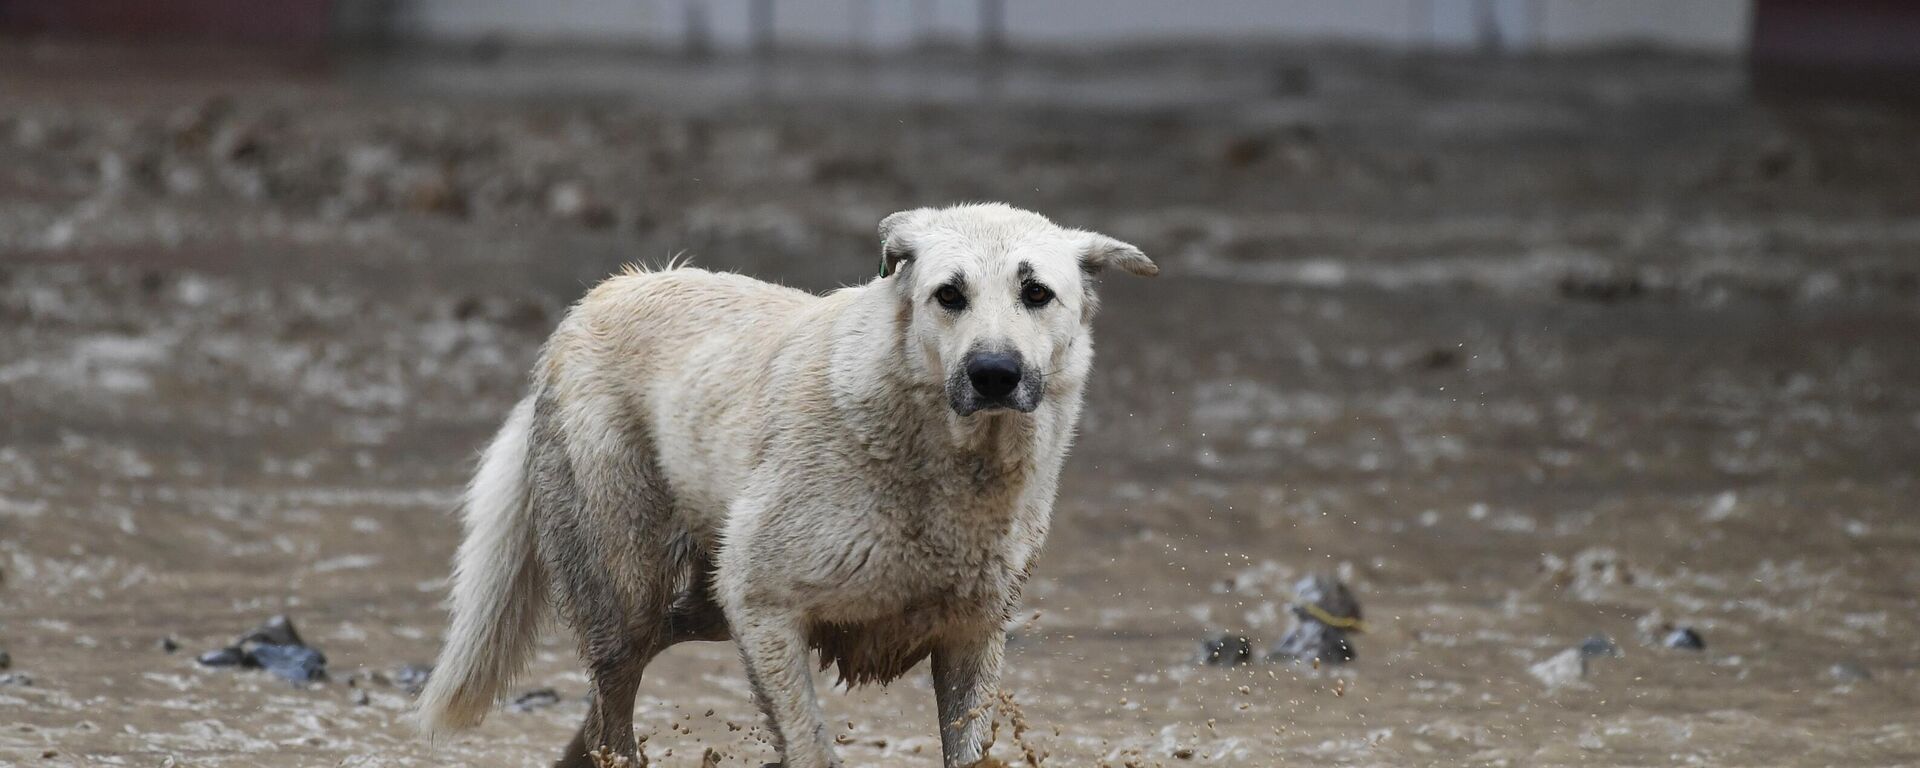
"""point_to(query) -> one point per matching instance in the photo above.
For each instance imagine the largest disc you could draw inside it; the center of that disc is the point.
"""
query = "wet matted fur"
(867, 475)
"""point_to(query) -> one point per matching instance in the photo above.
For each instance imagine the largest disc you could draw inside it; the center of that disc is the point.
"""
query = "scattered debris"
(1590, 575)
(1324, 613)
(538, 698)
(1226, 649)
(1685, 638)
(15, 678)
(1563, 668)
(412, 677)
(276, 647)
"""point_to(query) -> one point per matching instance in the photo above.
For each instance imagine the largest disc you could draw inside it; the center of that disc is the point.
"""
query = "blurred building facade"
(1508, 25)
(1721, 26)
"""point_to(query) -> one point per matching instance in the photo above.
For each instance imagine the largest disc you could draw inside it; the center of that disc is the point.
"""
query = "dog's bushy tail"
(497, 588)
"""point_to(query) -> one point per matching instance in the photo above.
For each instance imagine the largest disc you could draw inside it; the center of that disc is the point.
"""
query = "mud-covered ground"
(1525, 351)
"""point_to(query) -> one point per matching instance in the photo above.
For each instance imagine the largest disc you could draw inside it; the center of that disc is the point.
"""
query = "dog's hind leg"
(606, 541)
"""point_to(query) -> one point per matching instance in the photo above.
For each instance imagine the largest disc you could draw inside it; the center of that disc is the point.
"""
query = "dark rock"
(6, 660)
(168, 644)
(230, 656)
(277, 631)
(1597, 646)
(1325, 613)
(275, 646)
(295, 663)
(1685, 638)
(538, 698)
(1226, 649)
(360, 697)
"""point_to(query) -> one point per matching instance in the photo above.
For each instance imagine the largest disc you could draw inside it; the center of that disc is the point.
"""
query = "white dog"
(868, 474)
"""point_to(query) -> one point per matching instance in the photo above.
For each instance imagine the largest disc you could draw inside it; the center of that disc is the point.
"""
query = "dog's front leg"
(966, 681)
(774, 647)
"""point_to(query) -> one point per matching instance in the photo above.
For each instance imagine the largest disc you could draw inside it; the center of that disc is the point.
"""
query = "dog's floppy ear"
(1101, 252)
(895, 243)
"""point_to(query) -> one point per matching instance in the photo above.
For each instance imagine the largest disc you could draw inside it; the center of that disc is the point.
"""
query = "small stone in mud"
(1599, 645)
(168, 644)
(360, 697)
(412, 677)
(1849, 672)
(538, 698)
(1324, 613)
(6, 660)
(1226, 649)
(15, 678)
(1563, 668)
(1686, 639)
(295, 663)
(275, 646)
(230, 656)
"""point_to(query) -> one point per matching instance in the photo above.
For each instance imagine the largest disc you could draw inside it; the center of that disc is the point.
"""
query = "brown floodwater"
(1524, 351)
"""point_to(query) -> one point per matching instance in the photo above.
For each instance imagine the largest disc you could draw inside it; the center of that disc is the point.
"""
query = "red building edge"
(301, 23)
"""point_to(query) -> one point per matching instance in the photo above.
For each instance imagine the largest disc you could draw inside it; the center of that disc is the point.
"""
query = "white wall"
(1710, 25)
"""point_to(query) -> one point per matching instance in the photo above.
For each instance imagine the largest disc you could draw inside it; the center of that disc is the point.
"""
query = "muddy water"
(1525, 353)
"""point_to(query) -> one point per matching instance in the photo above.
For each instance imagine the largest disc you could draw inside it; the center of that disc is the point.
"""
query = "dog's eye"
(1036, 295)
(950, 297)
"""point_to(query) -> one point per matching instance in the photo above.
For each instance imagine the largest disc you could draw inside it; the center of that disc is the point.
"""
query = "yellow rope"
(1338, 622)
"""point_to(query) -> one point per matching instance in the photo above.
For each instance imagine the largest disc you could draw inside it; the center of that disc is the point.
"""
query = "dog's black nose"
(994, 374)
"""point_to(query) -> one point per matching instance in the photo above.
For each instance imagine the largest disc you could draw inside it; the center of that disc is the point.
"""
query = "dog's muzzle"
(993, 380)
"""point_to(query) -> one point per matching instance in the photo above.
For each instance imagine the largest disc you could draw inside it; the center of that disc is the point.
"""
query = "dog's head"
(998, 301)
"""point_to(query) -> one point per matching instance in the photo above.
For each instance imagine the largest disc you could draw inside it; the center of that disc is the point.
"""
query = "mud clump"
(1325, 614)
(1600, 646)
(1685, 639)
(1561, 669)
(1225, 649)
(536, 699)
(276, 647)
